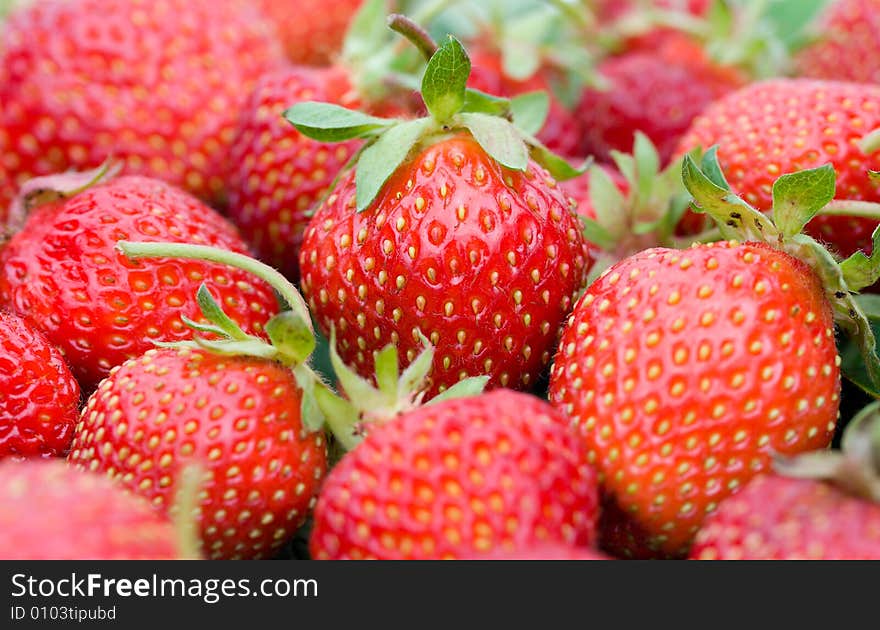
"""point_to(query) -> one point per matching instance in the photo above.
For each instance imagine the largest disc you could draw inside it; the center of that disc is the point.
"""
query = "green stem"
(418, 36)
(848, 208)
(870, 143)
(273, 277)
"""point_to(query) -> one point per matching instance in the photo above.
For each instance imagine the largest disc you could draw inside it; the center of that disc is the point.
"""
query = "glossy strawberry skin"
(779, 518)
(487, 271)
(684, 370)
(277, 174)
(312, 31)
(40, 400)
(848, 45)
(785, 125)
(562, 130)
(52, 512)
(237, 417)
(658, 90)
(63, 274)
(156, 84)
(500, 471)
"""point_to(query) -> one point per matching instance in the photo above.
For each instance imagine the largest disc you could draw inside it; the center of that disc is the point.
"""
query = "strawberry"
(685, 370)
(658, 91)
(52, 512)
(785, 125)
(448, 227)
(492, 472)
(278, 174)
(545, 551)
(156, 84)
(847, 44)
(817, 506)
(62, 274)
(239, 408)
(312, 31)
(40, 396)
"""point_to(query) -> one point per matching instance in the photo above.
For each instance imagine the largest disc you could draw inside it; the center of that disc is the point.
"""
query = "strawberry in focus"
(40, 401)
(49, 511)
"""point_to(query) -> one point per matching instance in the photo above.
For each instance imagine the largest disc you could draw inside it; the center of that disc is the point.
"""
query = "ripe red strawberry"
(433, 235)
(657, 90)
(312, 31)
(684, 371)
(675, 367)
(156, 84)
(779, 518)
(62, 273)
(499, 471)
(40, 399)
(278, 175)
(238, 417)
(781, 126)
(848, 43)
(484, 261)
(52, 512)
(545, 551)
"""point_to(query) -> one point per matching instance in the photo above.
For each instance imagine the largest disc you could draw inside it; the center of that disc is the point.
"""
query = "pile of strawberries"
(413, 280)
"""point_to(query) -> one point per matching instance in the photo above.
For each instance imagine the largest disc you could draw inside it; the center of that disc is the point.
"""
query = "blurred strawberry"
(847, 43)
(156, 84)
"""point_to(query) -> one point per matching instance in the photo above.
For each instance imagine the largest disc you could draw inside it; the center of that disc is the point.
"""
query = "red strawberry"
(156, 84)
(658, 91)
(278, 174)
(62, 273)
(482, 260)
(778, 518)
(545, 551)
(848, 43)
(312, 31)
(781, 126)
(238, 417)
(40, 399)
(52, 512)
(499, 471)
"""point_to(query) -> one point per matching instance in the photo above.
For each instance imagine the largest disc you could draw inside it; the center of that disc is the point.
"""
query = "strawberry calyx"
(646, 216)
(291, 336)
(39, 191)
(396, 392)
(504, 128)
(797, 198)
(855, 468)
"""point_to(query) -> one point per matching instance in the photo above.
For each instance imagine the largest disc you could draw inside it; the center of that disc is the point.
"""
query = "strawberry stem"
(266, 273)
(870, 143)
(418, 36)
(849, 208)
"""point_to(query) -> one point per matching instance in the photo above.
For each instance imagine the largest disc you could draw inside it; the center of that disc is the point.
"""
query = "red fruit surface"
(562, 130)
(848, 44)
(40, 398)
(546, 551)
(312, 31)
(780, 126)
(48, 511)
(658, 91)
(156, 84)
(484, 261)
(684, 370)
(236, 417)
(63, 274)
(779, 518)
(500, 471)
(278, 174)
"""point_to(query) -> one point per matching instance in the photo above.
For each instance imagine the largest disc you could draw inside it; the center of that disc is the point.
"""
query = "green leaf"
(499, 139)
(380, 160)
(647, 165)
(313, 417)
(367, 30)
(388, 371)
(597, 234)
(291, 336)
(558, 167)
(445, 80)
(608, 203)
(712, 169)
(473, 386)
(860, 270)
(326, 122)
(870, 305)
(355, 388)
(479, 102)
(414, 376)
(214, 314)
(798, 197)
(530, 111)
(339, 415)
